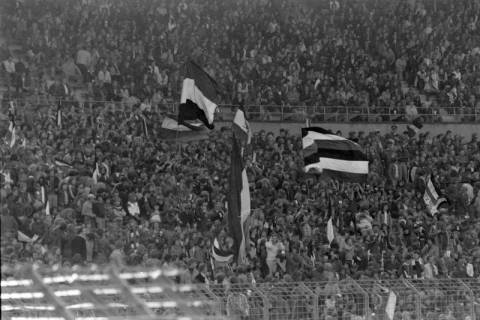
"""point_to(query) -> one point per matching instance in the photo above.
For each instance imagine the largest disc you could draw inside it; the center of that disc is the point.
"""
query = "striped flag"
(199, 96)
(338, 157)
(241, 127)
(187, 131)
(239, 195)
(62, 164)
(219, 254)
(431, 198)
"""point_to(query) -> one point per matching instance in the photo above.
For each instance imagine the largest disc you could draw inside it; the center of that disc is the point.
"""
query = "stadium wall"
(464, 130)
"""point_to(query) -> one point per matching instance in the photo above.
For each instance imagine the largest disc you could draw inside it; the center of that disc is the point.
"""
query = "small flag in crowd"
(7, 177)
(241, 127)
(199, 96)
(144, 125)
(330, 233)
(431, 198)
(96, 174)
(23, 237)
(338, 157)
(63, 164)
(47, 208)
(415, 127)
(187, 131)
(59, 116)
(239, 195)
(42, 193)
(391, 305)
(219, 254)
(412, 173)
(12, 127)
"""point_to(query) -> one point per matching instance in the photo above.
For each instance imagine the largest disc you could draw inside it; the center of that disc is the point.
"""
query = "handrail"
(287, 113)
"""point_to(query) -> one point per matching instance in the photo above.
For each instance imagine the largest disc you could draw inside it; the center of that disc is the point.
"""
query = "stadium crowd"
(156, 202)
(416, 55)
(160, 201)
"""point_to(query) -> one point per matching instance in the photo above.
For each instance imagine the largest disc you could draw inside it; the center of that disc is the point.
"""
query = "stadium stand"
(114, 68)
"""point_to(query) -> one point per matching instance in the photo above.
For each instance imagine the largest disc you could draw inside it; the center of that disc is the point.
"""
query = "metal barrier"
(287, 113)
(95, 294)
(361, 300)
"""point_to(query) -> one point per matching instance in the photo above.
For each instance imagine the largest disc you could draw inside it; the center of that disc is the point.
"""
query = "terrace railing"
(155, 294)
(285, 113)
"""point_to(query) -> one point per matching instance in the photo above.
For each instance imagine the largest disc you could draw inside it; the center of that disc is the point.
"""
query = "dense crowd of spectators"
(164, 202)
(157, 202)
(416, 54)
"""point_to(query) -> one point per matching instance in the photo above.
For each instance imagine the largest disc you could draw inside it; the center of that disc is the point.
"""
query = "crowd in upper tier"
(422, 54)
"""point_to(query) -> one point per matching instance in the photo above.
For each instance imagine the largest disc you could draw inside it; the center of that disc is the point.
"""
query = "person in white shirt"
(84, 61)
(9, 66)
(274, 247)
(104, 76)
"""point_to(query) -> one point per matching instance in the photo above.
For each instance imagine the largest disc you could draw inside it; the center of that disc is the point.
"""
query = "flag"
(338, 157)
(7, 177)
(391, 304)
(96, 174)
(187, 131)
(59, 117)
(239, 195)
(431, 198)
(199, 96)
(42, 193)
(330, 233)
(12, 128)
(47, 208)
(241, 127)
(63, 164)
(24, 238)
(13, 138)
(412, 173)
(144, 125)
(415, 126)
(219, 254)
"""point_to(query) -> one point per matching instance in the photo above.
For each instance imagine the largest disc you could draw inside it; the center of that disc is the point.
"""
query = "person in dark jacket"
(79, 245)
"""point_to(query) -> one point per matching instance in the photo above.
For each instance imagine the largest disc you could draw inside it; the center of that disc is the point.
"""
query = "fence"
(287, 113)
(151, 294)
(457, 299)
